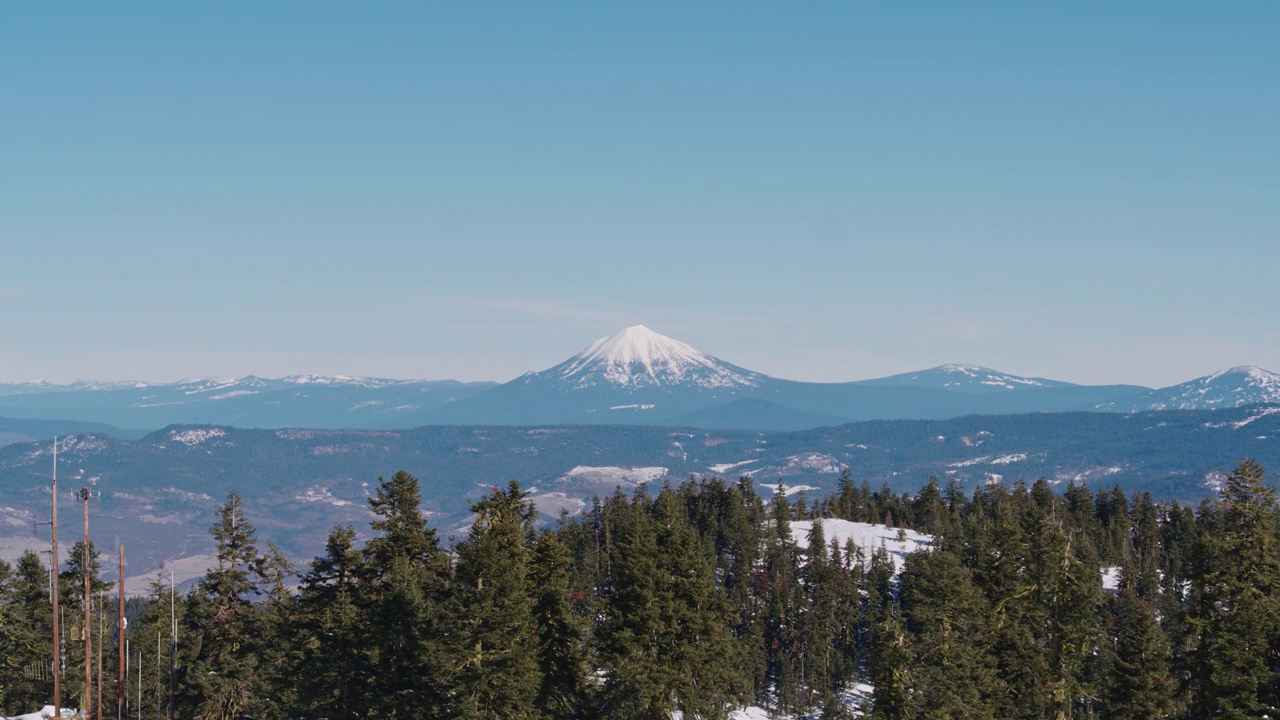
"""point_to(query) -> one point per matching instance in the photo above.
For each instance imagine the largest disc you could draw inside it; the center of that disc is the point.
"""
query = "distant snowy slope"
(967, 379)
(1235, 387)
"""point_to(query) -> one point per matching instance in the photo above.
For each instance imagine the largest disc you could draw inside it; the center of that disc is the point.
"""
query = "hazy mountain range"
(158, 492)
(634, 377)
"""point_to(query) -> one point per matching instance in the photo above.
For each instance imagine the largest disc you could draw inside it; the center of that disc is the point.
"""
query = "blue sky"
(474, 190)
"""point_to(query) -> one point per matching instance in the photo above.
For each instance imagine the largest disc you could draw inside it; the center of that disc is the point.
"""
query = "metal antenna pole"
(57, 634)
(88, 636)
(123, 652)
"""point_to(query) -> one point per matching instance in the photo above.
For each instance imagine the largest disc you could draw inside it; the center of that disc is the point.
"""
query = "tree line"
(697, 599)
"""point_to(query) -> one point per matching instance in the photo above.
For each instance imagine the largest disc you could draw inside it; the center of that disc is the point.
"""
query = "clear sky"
(1084, 191)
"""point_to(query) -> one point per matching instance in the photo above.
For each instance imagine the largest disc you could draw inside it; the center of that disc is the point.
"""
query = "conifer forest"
(693, 600)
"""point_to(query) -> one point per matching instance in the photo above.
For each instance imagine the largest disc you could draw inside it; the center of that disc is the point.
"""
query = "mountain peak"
(1233, 387)
(639, 357)
(1252, 372)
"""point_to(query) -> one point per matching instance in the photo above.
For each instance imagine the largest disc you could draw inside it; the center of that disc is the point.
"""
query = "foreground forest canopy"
(697, 599)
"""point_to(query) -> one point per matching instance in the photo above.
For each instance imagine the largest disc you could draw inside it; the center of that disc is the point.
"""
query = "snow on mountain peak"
(638, 357)
(1233, 387)
(963, 368)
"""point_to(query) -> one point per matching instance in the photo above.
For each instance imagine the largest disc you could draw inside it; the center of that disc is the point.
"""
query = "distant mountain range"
(634, 377)
(158, 492)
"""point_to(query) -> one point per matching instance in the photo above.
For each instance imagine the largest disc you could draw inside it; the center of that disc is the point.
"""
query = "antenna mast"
(53, 560)
(123, 651)
(88, 635)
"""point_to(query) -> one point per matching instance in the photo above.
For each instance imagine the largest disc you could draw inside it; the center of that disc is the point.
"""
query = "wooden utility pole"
(88, 635)
(123, 651)
(57, 636)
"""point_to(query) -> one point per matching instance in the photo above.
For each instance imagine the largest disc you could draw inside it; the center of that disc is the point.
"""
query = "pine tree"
(222, 631)
(665, 644)
(948, 620)
(560, 632)
(492, 637)
(26, 617)
(783, 603)
(7, 644)
(164, 611)
(71, 585)
(1138, 682)
(403, 587)
(1238, 600)
(280, 653)
(329, 633)
(819, 622)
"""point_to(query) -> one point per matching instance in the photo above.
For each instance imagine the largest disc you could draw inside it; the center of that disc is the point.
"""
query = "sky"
(1084, 191)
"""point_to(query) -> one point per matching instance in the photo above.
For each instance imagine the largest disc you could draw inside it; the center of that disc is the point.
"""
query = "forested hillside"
(698, 599)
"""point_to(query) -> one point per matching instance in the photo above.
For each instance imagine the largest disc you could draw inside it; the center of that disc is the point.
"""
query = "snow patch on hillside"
(321, 494)
(1265, 412)
(194, 436)
(866, 536)
(814, 462)
(723, 468)
(610, 473)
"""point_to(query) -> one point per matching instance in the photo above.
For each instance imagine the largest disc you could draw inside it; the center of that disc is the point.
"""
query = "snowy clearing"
(866, 536)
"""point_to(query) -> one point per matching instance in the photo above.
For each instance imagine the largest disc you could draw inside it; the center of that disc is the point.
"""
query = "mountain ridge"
(635, 376)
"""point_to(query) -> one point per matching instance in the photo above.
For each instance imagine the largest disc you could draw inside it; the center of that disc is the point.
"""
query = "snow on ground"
(866, 536)
(852, 698)
(47, 712)
(1265, 412)
(195, 436)
(726, 467)
(1111, 578)
(816, 462)
(321, 494)
(550, 504)
(790, 490)
(610, 473)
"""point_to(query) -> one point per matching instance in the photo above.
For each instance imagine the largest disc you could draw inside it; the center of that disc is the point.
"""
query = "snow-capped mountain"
(967, 379)
(1235, 387)
(638, 376)
(299, 400)
(638, 357)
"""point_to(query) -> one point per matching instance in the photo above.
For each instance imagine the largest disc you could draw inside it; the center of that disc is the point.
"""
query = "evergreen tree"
(560, 632)
(162, 614)
(665, 644)
(492, 636)
(783, 605)
(403, 589)
(71, 586)
(26, 644)
(329, 634)
(947, 618)
(280, 654)
(1138, 682)
(1238, 601)
(220, 677)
